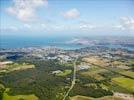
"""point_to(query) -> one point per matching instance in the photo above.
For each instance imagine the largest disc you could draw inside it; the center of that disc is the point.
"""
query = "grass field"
(64, 73)
(125, 83)
(127, 73)
(96, 60)
(78, 97)
(94, 73)
(16, 66)
(18, 97)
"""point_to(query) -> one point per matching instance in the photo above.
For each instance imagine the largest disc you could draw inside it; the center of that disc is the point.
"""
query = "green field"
(18, 97)
(64, 73)
(125, 83)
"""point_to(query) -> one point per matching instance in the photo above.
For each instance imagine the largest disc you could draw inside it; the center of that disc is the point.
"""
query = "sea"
(8, 42)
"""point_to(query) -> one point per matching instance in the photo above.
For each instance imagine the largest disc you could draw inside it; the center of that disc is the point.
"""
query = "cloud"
(86, 26)
(119, 27)
(25, 10)
(44, 25)
(9, 29)
(71, 14)
(13, 28)
(27, 26)
(127, 23)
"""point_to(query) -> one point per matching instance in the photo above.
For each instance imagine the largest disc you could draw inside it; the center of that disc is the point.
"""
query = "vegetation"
(89, 91)
(127, 73)
(94, 72)
(2, 89)
(6, 96)
(79, 97)
(38, 80)
(31, 78)
(125, 83)
(64, 73)
(15, 66)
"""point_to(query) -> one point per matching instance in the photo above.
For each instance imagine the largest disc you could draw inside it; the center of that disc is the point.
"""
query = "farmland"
(125, 82)
(78, 97)
(127, 73)
(6, 96)
(6, 68)
(94, 72)
(64, 73)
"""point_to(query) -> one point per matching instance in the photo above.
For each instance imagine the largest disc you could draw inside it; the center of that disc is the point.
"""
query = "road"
(73, 81)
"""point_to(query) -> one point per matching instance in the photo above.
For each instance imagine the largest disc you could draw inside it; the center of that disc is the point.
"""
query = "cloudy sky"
(67, 17)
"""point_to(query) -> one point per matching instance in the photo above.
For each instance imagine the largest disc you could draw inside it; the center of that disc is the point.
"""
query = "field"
(18, 97)
(64, 73)
(96, 60)
(15, 66)
(94, 72)
(78, 97)
(127, 73)
(125, 83)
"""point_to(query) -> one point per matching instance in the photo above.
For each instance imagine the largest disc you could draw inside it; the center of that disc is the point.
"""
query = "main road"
(73, 80)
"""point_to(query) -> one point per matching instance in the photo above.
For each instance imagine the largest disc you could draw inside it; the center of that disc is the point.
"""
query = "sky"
(66, 17)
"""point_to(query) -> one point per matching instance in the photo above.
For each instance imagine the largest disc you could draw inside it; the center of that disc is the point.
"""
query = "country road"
(73, 81)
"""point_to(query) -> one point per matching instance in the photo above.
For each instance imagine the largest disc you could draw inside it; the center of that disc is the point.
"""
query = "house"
(56, 72)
